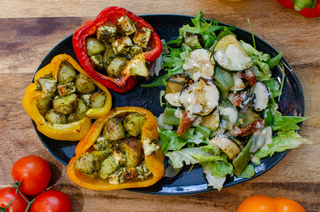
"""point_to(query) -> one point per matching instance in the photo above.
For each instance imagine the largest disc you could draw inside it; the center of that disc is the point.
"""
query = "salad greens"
(245, 126)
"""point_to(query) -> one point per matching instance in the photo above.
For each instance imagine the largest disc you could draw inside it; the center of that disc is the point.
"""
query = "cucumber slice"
(200, 98)
(229, 54)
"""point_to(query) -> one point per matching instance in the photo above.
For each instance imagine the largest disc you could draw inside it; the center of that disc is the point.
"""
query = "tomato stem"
(16, 185)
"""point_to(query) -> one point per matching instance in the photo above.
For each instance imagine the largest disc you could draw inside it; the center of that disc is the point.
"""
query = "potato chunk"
(113, 130)
(98, 99)
(54, 117)
(67, 88)
(94, 46)
(80, 112)
(97, 61)
(44, 103)
(133, 123)
(116, 66)
(67, 73)
(84, 84)
(133, 150)
(108, 56)
(65, 104)
(88, 164)
(108, 166)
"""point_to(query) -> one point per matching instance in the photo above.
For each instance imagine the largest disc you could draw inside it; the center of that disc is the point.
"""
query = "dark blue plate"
(167, 27)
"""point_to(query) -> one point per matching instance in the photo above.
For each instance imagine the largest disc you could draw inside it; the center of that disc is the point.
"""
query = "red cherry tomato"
(262, 203)
(287, 205)
(51, 201)
(287, 3)
(257, 204)
(33, 172)
(19, 204)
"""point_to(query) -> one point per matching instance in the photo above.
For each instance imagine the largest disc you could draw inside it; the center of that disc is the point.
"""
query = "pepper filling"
(113, 50)
(118, 154)
(68, 98)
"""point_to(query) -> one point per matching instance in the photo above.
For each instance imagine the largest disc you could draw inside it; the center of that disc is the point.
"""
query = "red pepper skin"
(310, 12)
(287, 3)
(110, 15)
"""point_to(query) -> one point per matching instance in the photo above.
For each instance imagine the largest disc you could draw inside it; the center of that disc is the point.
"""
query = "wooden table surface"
(30, 29)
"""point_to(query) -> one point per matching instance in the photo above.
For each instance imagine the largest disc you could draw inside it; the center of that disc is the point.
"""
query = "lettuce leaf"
(186, 156)
(287, 123)
(281, 142)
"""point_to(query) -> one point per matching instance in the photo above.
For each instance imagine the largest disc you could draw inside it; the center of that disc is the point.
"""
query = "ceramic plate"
(167, 27)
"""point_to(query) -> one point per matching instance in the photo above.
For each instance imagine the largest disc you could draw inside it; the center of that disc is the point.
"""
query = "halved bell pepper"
(73, 131)
(110, 16)
(153, 156)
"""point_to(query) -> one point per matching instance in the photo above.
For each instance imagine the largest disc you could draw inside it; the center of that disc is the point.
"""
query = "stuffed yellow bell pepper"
(120, 151)
(63, 99)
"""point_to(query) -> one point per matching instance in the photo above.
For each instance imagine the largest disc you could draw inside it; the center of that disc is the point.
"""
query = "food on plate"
(260, 203)
(221, 103)
(63, 99)
(31, 174)
(120, 151)
(116, 48)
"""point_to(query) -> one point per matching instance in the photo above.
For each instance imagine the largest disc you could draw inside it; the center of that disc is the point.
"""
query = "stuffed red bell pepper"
(116, 47)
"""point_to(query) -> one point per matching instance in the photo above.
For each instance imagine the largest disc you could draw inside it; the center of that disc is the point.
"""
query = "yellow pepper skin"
(67, 132)
(153, 161)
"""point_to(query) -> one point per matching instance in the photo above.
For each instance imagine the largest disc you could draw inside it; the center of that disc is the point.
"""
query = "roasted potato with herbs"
(120, 135)
(62, 95)
(113, 46)
(133, 123)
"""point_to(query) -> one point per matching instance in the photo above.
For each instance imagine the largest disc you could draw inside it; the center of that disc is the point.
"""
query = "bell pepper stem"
(301, 4)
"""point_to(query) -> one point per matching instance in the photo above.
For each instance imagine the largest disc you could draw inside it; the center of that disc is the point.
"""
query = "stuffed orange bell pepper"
(63, 99)
(116, 47)
(120, 151)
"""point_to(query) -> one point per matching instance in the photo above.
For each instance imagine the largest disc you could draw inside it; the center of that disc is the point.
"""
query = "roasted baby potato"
(94, 46)
(53, 117)
(114, 130)
(98, 99)
(67, 73)
(133, 123)
(133, 150)
(88, 164)
(116, 66)
(65, 104)
(84, 84)
(80, 112)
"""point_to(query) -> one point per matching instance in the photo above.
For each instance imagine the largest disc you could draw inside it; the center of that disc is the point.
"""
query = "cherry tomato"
(287, 205)
(287, 3)
(257, 203)
(19, 204)
(262, 203)
(51, 201)
(33, 172)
